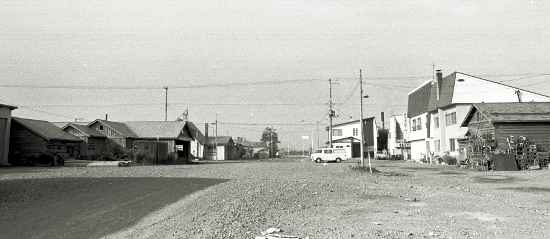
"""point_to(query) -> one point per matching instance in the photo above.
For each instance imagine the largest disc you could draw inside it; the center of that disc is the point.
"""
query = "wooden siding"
(480, 126)
(538, 133)
(24, 143)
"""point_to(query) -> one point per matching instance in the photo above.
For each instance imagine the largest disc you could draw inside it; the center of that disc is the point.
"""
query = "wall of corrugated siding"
(538, 133)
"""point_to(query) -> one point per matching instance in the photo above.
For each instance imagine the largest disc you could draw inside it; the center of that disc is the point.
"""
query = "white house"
(346, 135)
(436, 108)
(398, 132)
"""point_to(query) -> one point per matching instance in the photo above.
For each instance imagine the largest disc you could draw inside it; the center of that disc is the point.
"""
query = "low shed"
(37, 141)
(495, 122)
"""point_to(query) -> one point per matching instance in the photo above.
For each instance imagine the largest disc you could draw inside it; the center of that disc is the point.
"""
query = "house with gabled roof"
(37, 140)
(220, 148)
(496, 122)
(346, 135)
(169, 141)
(94, 143)
(436, 108)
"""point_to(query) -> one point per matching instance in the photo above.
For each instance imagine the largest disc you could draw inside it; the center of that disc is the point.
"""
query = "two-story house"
(346, 135)
(436, 108)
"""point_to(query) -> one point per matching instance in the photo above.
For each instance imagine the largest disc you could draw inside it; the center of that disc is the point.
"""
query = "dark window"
(101, 127)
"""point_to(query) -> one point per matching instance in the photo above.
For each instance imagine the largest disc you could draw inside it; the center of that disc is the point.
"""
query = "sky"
(186, 44)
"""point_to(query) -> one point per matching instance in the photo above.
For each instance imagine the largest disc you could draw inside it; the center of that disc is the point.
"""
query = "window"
(437, 145)
(336, 132)
(414, 125)
(101, 127)
(452, 144)
(339, 147)
(328, 151)
(436, 122)
(450, 118)
(419, 126)
(355, 131)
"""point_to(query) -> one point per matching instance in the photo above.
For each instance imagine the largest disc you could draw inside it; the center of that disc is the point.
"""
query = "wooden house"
(37, 141)
(493, 123)
(165, 141)
(94, 143)
(117, 132)
(220, 148)
(5, 123)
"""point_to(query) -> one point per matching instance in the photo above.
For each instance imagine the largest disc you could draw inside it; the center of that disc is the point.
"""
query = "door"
(355, 150)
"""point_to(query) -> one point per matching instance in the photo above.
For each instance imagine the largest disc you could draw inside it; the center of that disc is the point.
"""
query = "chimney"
(438, 80)
(106, 117)
(206, 130)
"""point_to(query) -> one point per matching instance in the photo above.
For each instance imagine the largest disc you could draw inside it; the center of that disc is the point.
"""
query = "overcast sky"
(176, 43)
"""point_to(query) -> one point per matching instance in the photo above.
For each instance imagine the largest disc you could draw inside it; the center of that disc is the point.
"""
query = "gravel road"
(405, 200)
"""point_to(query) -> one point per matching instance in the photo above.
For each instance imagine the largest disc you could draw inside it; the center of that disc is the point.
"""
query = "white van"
(329, 155)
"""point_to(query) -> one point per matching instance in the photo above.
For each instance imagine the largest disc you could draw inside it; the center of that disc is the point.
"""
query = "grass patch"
(363, 169)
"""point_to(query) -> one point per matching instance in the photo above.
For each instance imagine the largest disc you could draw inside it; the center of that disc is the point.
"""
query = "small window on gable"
(101, 127)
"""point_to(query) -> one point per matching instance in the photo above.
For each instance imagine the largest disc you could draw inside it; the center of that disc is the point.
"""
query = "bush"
(449, 160)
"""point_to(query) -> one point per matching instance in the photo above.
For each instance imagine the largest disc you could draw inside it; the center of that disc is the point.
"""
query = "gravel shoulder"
(407, 200)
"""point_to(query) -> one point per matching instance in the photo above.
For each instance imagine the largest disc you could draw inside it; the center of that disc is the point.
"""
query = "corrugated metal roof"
(419, 100)
(515, 112)
(220, 140)
(195, 132)
(154, 129)
(45, 129)
(120, 127)
(446, 91)
(11, 107)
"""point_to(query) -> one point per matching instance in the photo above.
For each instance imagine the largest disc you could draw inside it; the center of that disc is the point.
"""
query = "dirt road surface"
(405, 200)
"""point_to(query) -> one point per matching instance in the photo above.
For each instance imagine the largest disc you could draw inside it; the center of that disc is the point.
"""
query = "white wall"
(418, 149)
(347, 131)
(475, 90)
(198, 153)
(417, 134)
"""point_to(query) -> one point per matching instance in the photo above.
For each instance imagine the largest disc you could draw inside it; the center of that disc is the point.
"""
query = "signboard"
(179, 147)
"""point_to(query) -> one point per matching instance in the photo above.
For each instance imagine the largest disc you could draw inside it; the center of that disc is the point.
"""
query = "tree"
(271, 139)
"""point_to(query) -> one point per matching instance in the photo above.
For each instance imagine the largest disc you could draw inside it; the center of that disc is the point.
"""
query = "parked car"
(329, 155)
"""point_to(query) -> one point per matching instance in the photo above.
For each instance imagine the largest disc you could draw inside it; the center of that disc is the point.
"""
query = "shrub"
(449, 160)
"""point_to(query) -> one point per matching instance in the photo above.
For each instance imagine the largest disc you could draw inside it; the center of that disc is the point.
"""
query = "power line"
(178, 104)
(267, 123)
(234, 84)
(190, 86)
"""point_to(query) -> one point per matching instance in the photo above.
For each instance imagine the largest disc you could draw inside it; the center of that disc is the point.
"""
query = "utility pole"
(318, 136)
(330, 113)
(166, 103)
(216, 138)
(361, 122)
(361, 117)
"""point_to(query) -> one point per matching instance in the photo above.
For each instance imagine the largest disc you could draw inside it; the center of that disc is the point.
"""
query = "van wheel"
(318, 160)
(338, 160)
